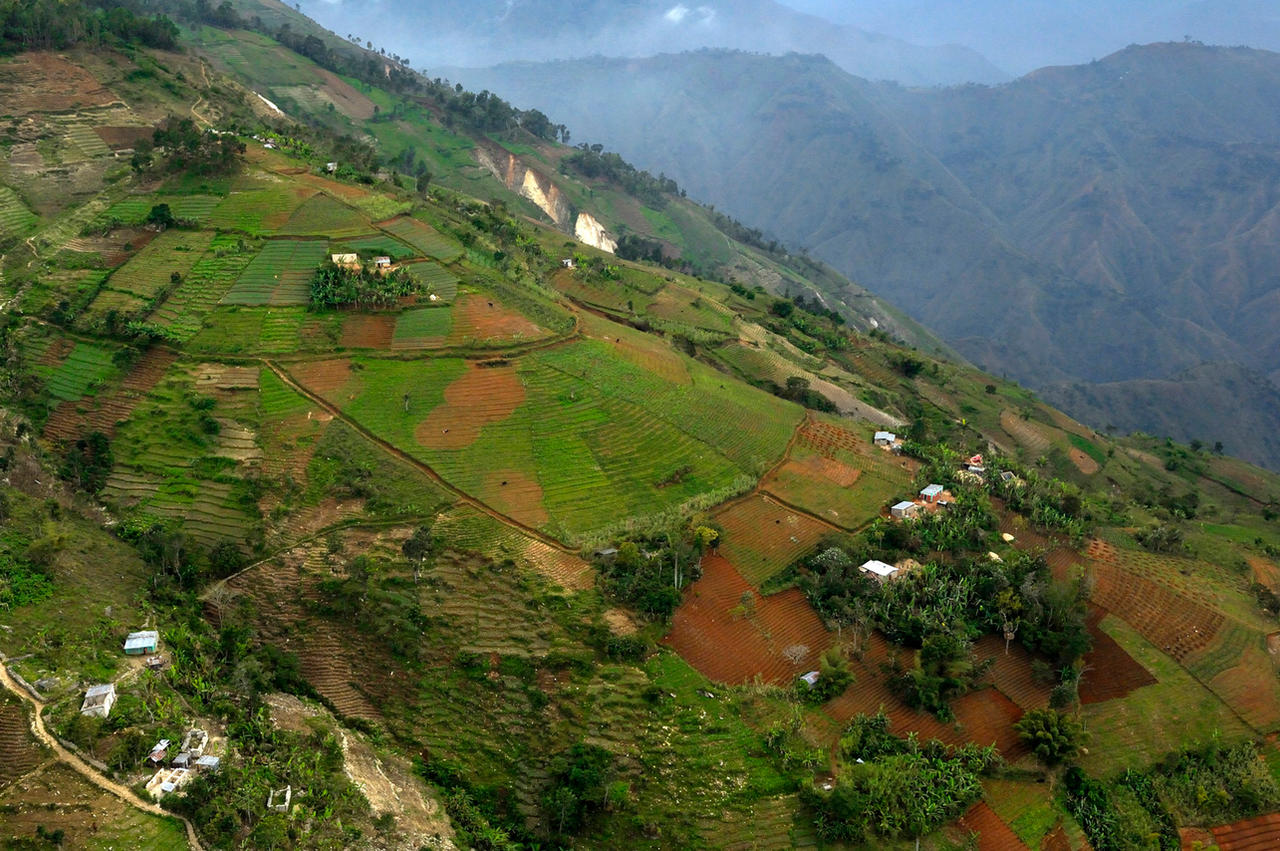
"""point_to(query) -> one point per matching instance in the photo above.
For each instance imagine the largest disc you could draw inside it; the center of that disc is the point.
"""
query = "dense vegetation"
(59, 24)
(365, 287)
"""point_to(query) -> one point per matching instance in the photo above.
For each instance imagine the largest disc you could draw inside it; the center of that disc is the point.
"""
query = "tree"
(417, 548)
(1054, 737)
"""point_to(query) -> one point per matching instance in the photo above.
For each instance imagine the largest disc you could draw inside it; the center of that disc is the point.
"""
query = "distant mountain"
(485, 32)
(1108, 222)
(1016, 35)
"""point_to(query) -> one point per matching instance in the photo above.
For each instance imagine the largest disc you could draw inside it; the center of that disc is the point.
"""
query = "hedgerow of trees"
(334, 286)
(59, 24)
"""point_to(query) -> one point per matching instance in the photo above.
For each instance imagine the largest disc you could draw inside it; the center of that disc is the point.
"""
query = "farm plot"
(732, 635)
(847, 491)
(42, 81)
(207, 510)
(259, 207)
(372, 245)
(645, 351)
(1207, 583)
(58, 799)
(435, 279)
(480, 320)
(70, 420)
(15, 219)
(279, 274)
(679, 304)
(1109, 672)
(1012, 672)
(18, 751)
(426, 327)
(204, 286)
(993, 834)
(1238, 668)
(152, 268)
(1177, 625)
(368, 330)
(423, 237)
(1026, 433)
(86, 143)
(86, 367)
(762, 537)
(1157, 718)
(1255, 834)
(324, 215)
(133, 211)
(468, 530)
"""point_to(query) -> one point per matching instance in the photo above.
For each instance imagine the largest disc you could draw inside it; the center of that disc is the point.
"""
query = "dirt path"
(81, 767)
(200, 119)
(462, 496)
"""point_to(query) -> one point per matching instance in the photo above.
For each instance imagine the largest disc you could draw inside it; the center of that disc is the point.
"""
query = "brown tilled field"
(1256, 834)
(566, 570)
(123, 138)
(762, 537)
(1173, 623)
(46, 82)
(480, 318)
(368, 331)
(515, 494)
(1011, 673)
(326, 377)
(18, 751)
(646, 351)
(735, 643)
(1083, 462)
(1025, 432)
(1109, 671)
(482, 395)
(993, 834)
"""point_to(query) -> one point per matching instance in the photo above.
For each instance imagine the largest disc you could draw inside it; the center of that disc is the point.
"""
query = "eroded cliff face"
(544, 193)
(590, 231)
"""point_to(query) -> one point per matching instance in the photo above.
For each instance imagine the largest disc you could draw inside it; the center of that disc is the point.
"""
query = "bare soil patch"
(620, 623)
(993, 834)
(71, 420)
(482, 395)
(564, 569)
(819, 467)
(1110, 672)
(123, 138)
(733, 635)
(1083, 462)
(1265, 572)
(1249, 835)
(324, 377)
(368, 331)
(517, 495)
(46, 82)
(479, 318)
(762, 536)
(1175, 624)
(18, 751)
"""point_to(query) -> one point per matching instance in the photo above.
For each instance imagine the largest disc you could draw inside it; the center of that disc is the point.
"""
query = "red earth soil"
(478, 317)
(368, 331)
(819, 468)
(482, 395)
(57, 352)
(45, 82)
(736, 647)
(1110, 672)
(824, 438)
(323, 377)
(1170, 621)
(759, 533)
(993, 834)
(516, 495)
(1056, 841)
(1012, 673)
(120, 138)
(1249, 835)
(1265, 572)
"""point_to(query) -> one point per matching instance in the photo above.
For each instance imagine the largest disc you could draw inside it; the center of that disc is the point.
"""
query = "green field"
(324, 215)
(435, 279)
(259, 207)
(423, 237)
(205, 285)
(279, 274)
(84, 369)
(15, 219)
(414, 327)
(374, 245)
(603, 438)
(133, 211)
(150, 270)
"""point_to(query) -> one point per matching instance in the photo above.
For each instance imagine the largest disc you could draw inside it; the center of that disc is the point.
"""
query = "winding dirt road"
(82, 767)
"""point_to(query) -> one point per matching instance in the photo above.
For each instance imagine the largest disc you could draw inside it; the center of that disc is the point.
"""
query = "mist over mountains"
(1098, 224)
(475, 33)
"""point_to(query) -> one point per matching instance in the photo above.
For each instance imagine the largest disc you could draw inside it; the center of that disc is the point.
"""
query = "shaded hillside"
(485, 33)
(1098, 223)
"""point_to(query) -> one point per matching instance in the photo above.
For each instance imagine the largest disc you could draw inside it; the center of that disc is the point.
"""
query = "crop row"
(208, 281)
(324, 215)
(279, 274)
(86, 366)
(423, 237)
(15, 218)
(151, 269)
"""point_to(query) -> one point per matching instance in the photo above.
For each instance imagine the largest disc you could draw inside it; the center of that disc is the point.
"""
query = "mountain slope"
(1109, 222)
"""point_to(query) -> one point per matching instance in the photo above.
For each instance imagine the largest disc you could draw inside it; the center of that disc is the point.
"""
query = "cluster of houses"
(190, 761)
(352, 261)
(888, 441)
(191, 757)
(932, 498)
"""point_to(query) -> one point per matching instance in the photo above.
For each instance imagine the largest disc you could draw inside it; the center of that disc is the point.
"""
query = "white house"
(904, 510)
(98, 701)
(885, 438)
(811, 678)
(879, 570)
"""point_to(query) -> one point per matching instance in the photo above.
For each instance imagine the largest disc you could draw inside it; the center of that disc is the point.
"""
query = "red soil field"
(818, 467)
(1110, 672)
(478, 318)
(18, 753)
(985, 716)
(1170, 621)
(1011, 672)
(482, 395)
(736, 648)
(1253, 834)
(1057, 841)
(67, 422)
(516, 495)
(824, 437)
(1083, 462)
(762, 537)
(1265, 572)
(45, 82)
(57, 352)
(564, 569)
(325, 377)
(993, 834)
(119, 138)
(368, 331)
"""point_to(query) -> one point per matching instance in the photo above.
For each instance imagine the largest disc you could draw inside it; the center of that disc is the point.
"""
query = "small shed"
(160, 750)
(904, 510)
(182, 760)
(567, 263)
(141, 643)
(345, 260)
(98, 700)
(382, 262)
(331, 167)
(811, 678)
(885, 438)
(931, 493)
(280, 799)
(607, 553)
(1007, 476)
(879, 570)
(209, 763)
